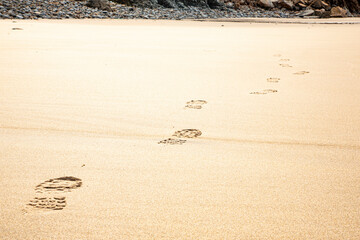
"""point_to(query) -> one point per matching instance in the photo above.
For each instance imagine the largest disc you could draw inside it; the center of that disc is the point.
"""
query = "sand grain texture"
(92, 99)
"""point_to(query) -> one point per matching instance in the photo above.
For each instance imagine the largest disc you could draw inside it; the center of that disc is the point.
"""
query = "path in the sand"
(185, 133)
(276, 79)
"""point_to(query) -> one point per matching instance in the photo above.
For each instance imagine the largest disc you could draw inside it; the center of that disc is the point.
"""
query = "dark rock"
(326, 6)
(99, 4)
(320, 12)
(168, 3)
(215, 4)
(319, 4)
(288, 4)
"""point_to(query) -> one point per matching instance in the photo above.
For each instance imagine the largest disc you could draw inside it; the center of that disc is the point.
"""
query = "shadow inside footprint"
(188, 133)
(59, 184)
(172, 141)
(17, 29)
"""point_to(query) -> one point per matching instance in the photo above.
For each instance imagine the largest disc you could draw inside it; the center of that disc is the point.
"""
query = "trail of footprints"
(198, 104)
(178, 136)
(50, 194)
(275, 79)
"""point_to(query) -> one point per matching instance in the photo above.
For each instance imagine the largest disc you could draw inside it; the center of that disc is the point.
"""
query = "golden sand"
(110, 103)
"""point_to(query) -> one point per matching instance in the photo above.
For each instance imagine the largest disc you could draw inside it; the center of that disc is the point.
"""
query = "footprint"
(270, 90)
(195, 104)
(285, 65)
(277, 55)
(17, 29)
(59, 184)
(284, 59)
(273, 80)
(301, 73)
(47, 197)
(50, 203)
(172, 141)
(266, 91)
(187, 133)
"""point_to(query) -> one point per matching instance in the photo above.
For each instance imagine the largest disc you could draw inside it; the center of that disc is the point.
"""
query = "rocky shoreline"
(71, 9)
(65, 9)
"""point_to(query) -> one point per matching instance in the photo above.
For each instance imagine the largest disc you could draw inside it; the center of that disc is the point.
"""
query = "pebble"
(64, 9)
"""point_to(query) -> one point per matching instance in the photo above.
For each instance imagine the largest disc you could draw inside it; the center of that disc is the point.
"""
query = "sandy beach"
(278, 156)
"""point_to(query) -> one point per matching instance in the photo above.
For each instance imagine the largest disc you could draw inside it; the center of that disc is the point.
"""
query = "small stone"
(230, 5)
(265, 4)
(338, 12)
(301, 5)
(306, 13)
(320, 12)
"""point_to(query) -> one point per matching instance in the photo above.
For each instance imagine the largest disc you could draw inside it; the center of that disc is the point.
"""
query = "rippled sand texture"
(102, 105)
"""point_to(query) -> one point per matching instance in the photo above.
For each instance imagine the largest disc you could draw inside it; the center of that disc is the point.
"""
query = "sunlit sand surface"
(157, 131)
